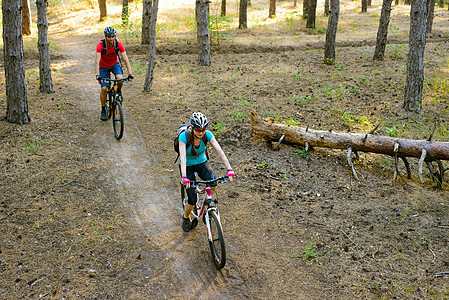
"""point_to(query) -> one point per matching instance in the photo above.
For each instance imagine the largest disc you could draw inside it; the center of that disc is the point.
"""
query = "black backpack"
(105, 49)
(185, 128)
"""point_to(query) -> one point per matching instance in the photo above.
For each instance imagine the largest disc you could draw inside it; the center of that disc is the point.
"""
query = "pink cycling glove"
(185, 180)
(230, 173)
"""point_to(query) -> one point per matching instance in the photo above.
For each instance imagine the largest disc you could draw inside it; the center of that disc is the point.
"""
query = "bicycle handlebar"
(108, 80)
(195, 183)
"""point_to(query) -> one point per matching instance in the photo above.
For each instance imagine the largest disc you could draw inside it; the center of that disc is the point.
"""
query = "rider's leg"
(103, 93)
(187, 210)
(118, 72)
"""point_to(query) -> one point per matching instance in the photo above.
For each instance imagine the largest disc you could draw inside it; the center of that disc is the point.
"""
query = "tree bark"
(295, 3)
(125, 12)
(331, 32)
(364, 142)
(243, 18)
(146, 21)
(311, 14)
(223, 8)
(364, 6)
(272, 11)
(430, 15)
(415, 59)
(441, 3)
(382, 32)
(26, 17)
(202, 22)
(45, 83)
(103, 9)
(16, 92)
(305, 9)
(152, 51)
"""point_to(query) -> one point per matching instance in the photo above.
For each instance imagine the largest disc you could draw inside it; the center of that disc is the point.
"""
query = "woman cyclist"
(193, 160)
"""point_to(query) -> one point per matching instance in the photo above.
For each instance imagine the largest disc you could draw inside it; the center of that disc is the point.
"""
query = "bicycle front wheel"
(117, 118)
(109, 106)
(217, 244)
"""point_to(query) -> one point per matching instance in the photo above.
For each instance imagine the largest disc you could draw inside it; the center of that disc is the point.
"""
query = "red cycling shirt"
(110, 58)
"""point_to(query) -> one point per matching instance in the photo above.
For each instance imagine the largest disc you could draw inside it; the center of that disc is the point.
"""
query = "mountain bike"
(206, 208)
(114, 106)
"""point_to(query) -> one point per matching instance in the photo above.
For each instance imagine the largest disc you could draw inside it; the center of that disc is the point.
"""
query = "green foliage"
(291, 122)
(219, 27)
(391, 131)
(262, 165)
(302, 153)
(311, 251)
(61, 103)
(238, 115)
(217, 128)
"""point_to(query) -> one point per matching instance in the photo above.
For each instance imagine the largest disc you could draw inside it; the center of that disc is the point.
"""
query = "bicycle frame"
(112, 88)
(206, 207)
(207, 203)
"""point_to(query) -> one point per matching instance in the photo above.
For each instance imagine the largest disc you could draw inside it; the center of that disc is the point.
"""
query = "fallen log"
(424, 150)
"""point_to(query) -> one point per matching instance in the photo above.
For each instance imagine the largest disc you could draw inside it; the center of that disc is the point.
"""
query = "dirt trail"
(179, 263)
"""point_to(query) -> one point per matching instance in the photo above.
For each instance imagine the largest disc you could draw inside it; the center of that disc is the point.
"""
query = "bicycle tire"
(217, 245)
(117, 119)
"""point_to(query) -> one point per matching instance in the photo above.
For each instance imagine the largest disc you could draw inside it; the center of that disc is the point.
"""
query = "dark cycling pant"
(204, 171)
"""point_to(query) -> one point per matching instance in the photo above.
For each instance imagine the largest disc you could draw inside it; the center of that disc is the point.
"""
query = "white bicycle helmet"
(198, 120)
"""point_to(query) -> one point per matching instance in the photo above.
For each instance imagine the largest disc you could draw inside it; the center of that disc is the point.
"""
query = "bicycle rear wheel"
(117, 118)
(217, 245)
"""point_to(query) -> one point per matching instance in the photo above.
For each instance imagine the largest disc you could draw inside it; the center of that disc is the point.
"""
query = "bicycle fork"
(209, 209)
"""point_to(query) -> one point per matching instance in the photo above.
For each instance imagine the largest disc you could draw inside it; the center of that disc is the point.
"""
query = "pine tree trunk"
(146, 21)
(103, 9)
(16, 91)
(202, 21)
(305, 9)
(430, 15)
(311, 14)
(45, 83)
(382, 32)
(295, 3)
(415, 59)
(152, 51)
(223, 8)
(26, 17)
(243, 23)
(125, 12)
(364, 6)
(331, 32)
(272, 11)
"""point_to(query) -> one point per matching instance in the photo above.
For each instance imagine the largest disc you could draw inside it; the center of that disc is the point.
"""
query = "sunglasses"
(199, 130)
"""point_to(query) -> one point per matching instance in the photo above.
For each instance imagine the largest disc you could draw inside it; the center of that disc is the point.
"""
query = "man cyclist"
(107, 62)
(193, 160)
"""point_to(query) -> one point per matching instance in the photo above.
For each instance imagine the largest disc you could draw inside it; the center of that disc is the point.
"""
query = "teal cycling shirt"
(192, 160)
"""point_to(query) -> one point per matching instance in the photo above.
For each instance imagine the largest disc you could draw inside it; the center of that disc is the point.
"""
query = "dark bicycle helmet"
(198, 120)
(109, 31)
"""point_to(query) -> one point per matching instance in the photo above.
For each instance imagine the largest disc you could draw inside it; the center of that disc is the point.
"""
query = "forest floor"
(84, 216)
